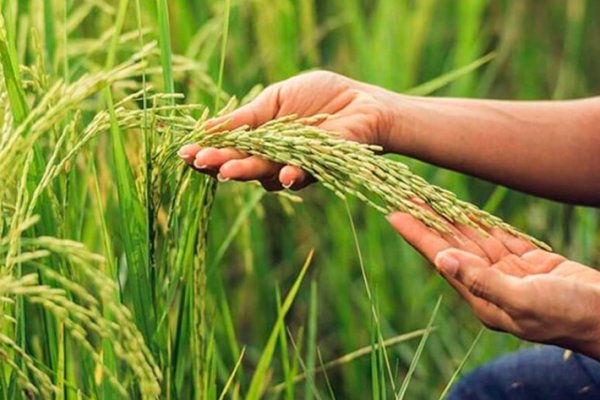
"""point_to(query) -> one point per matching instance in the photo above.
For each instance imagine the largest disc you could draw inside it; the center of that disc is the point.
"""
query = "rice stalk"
(84, 316)
(44, 386)
(22, 378)
(356, 354)
(59, 100)
(344, 167)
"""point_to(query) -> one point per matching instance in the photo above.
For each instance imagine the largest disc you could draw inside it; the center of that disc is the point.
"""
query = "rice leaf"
(260, 374)
(12, 78)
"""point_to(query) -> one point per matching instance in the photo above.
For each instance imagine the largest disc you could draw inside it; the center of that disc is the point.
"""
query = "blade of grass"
(469, 40)
(284, 351)
(199, 350)
(131, 211)
(260, 374)
(327, 381)
(449, 77)
(461, 365)
(49, 34)
(376, 378)
(493, 202)
(417, 356)
(298, 353)
(311, 342)
(148, 172)
(20, 110)
(309, 30)
(575, 30)
(164, 40)
(248, 206)
(370, 297)
(227, 320)
(223, 53)
(107, 352)
(65, 57)
(361, 352)
(12, 78)
(232, 375)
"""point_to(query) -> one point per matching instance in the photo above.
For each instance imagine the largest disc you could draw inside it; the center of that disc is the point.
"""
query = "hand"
(513, 286)
(361, 116)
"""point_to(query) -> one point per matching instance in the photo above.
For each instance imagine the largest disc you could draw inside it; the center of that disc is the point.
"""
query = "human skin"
(545, 148)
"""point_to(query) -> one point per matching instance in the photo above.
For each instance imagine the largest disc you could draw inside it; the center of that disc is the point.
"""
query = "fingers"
(188, 152)
(475, 274)
(431, 245)
(514, 244)
(489, 246)
(489, 313)
(248, 169)
(454, 236)
(541, 261)
(294, 178)
(236, 165)
(211, 158)
(231, 164)
(418, 235)
(257, 112)
(476, 280)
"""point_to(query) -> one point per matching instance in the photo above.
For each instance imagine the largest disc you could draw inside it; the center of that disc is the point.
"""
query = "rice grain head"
(344, 167)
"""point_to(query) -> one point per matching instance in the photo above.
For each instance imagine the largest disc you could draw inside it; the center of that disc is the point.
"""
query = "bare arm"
(550, 149)
(547, 148)
(511, 286)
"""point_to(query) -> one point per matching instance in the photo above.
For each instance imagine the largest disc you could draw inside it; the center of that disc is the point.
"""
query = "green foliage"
(123, 274)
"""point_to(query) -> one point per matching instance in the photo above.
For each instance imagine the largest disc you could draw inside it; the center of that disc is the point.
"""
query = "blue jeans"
(537, 373)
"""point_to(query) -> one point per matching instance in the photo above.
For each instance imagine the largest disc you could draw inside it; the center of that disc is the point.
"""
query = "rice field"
(125, 274)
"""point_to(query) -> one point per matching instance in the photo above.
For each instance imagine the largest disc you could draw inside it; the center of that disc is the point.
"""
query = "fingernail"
(182, 153)
(447, 263)
(221, 179)
(200, 166)
(289, 185)
(186, 147)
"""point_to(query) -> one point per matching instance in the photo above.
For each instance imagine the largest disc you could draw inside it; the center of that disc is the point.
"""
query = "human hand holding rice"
(509, 279)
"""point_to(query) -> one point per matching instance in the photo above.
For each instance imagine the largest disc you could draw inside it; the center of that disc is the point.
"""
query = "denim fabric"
(547, 373)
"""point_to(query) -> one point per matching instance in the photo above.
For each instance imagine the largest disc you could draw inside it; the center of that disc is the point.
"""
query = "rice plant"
(124, 274)
(346, 168)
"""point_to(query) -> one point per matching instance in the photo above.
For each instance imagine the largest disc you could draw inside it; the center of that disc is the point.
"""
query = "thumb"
(259, 111)
(478, 277)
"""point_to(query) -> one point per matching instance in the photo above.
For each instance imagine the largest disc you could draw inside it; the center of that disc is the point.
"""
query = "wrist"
(587, 346)
(589, 343)
(398, 131)
(585, 336)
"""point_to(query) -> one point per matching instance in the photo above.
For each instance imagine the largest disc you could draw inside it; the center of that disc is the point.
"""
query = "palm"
(577, 272)
(510, 284)
(359, 117)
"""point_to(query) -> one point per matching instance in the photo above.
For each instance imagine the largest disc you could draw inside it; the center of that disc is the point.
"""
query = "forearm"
(550, 149)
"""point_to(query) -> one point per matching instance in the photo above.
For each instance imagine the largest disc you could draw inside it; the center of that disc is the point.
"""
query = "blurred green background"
(542, 50)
